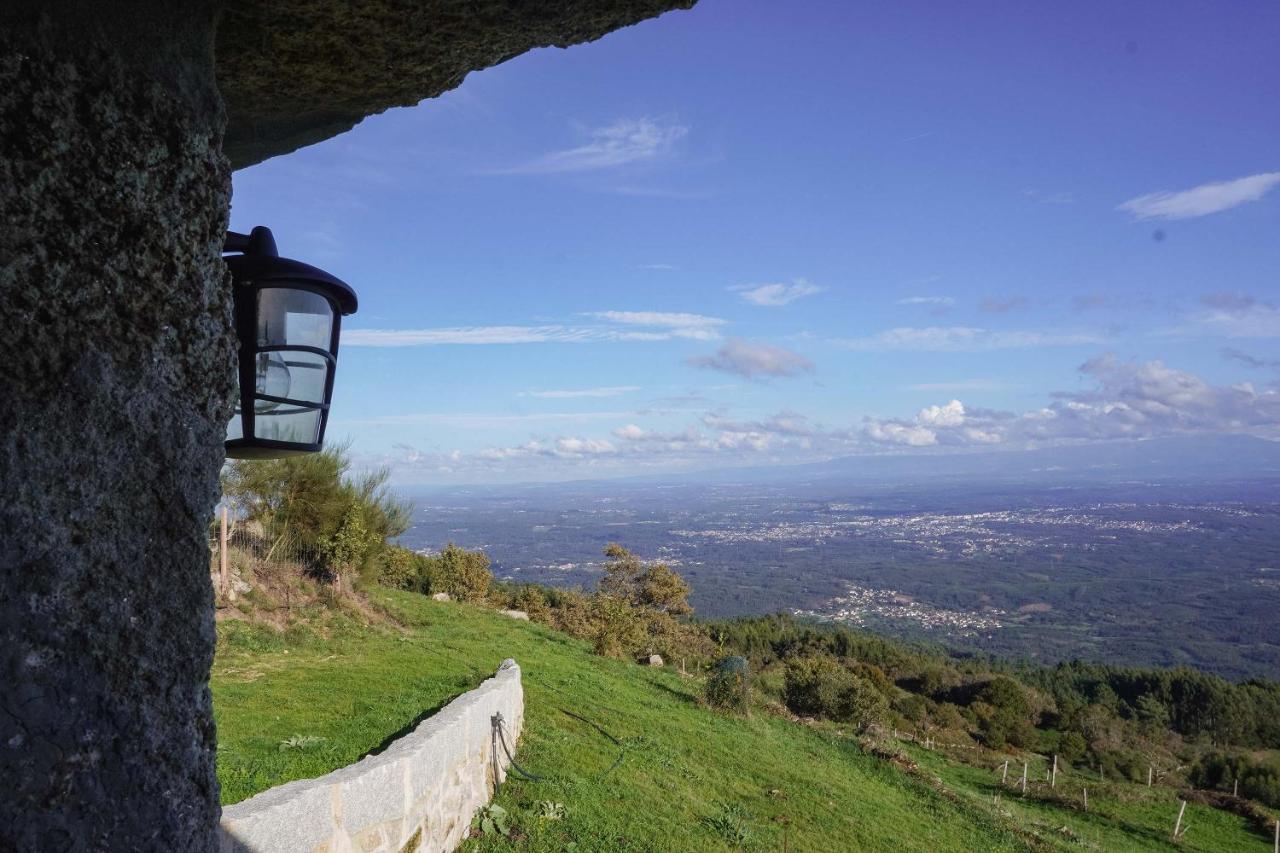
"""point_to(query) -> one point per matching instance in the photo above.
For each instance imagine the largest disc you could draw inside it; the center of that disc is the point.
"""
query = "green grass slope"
(313, 699)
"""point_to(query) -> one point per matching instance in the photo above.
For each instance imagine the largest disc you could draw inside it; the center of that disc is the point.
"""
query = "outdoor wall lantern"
(287, 317)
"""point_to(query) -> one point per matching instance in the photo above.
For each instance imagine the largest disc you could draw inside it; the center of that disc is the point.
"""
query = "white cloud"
(962, 339)
(1129, 400)
(927, 300)
(952, 414)
(752, 360)
(465, 335)
(572, 393)
(776, 295)
(583, 446)
(893, 432)
(1202, 200)
(625, 141)
(1126, 400)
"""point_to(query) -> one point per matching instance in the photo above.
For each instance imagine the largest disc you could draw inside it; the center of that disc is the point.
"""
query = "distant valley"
(1137, 562)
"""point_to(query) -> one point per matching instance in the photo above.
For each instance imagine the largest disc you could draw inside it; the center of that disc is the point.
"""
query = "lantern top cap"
(255, 258)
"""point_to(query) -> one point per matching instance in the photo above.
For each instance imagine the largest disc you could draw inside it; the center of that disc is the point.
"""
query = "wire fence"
(253, 553)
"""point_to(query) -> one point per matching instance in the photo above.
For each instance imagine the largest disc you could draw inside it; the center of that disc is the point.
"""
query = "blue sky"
(760, 233)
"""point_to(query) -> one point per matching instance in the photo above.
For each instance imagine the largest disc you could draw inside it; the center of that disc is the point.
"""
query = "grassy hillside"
(299, 703)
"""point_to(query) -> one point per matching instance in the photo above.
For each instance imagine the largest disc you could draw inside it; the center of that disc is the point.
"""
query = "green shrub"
(821, 687)
(729, 685)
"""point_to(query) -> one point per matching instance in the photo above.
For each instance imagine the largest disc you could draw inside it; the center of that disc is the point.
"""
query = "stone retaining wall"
(418, 794)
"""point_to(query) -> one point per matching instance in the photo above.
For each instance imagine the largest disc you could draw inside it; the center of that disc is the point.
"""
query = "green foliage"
(550, 810)
(491, 820)
(399, 568)
(728, 686)
(1220, 770)
(462, 574)
(1004, 714)
(619, 631)
(820, 687)
(314, 497)
(731, 824)
(347, 547)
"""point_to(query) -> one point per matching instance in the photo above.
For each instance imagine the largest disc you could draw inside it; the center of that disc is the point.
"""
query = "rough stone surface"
(117, 362)
(425, 786)
(442, 596)
(118, 357)
(655, 660)
(294, 72)
(515, 614)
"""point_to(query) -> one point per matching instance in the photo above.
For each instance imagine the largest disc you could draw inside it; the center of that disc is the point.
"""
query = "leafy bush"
(729, 685)
(399, 569)
(462, 574)
(821, 687)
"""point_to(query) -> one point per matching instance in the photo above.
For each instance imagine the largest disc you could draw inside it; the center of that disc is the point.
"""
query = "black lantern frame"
(265, 286)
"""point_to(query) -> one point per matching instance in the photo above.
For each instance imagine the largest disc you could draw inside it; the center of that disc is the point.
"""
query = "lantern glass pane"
(288, 423)
(308, 374)
(294, 317)
(235, 429)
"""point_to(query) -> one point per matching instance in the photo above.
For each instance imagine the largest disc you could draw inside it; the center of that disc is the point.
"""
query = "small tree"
(346, 549)
(729, 686)
(653, 585)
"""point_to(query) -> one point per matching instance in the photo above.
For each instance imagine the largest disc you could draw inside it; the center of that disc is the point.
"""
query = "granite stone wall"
(115, 377)
(418, 794)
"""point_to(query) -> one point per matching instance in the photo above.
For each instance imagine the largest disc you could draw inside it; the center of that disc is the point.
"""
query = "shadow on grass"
(679, 694)
(407, 728)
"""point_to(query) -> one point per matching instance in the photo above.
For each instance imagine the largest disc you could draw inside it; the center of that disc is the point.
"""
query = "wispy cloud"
(754, 360)
(1239, 315)
(625, 141)
(574, 393)
(945, 301)
(1202, 200)
(962, 339)
(467, 335)
(776, 295)
(636, 326)
(697, 327)
(483, 420)
(1251, 361)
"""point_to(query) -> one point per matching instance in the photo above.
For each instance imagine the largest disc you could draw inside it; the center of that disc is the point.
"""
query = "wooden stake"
(1005, 775)
(1053, 780)
(1277, 846)
(1086, 799)
(1148, 775)
(1024, 777)
(1235, 789)
(1177, 827)
(224, 581)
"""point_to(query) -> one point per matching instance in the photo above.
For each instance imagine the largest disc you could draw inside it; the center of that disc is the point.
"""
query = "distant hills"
(1216, 458)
